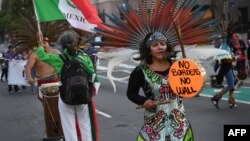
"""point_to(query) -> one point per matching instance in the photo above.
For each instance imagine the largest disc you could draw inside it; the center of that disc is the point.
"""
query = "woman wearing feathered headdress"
(164, 116)
(155, 30)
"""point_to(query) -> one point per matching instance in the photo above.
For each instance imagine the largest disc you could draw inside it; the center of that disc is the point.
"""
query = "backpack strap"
(77, 58)
(63, 57)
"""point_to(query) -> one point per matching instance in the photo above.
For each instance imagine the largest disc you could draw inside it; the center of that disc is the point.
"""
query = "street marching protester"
(171, 40)
(66, 24)
(17, 72)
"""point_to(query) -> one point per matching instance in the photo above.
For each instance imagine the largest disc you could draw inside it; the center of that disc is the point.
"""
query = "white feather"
(115, 57)
(203, 54)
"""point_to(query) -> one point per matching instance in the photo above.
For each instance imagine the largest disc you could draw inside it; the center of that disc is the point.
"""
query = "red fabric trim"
(95, 120)
(40, 82)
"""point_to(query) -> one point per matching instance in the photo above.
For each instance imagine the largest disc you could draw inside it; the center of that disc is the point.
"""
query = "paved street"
(21, 116)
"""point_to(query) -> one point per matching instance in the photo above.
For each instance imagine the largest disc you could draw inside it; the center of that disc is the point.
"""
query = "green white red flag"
(89, 11)
(51, 10)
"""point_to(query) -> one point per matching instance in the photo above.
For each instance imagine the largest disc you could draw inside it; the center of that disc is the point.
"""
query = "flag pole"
(178, 31)
(40, 35)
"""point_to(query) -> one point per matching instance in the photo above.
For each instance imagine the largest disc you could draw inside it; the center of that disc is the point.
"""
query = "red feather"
(160, 16)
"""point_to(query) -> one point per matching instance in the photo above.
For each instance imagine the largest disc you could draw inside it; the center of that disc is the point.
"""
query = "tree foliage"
(18, 18)
(11, 13)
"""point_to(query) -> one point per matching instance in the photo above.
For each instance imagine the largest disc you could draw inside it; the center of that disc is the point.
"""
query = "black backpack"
(75, 88)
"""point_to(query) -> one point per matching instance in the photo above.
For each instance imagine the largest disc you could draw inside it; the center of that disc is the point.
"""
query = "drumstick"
(34, 80)
(37, 79)
(157, 102)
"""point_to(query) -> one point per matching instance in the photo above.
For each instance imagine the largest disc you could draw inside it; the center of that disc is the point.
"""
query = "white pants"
(67, 114)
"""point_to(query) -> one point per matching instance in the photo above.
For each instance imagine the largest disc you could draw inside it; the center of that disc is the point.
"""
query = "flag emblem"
(70, 3)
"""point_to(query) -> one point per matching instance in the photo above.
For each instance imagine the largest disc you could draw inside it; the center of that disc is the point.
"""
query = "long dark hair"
(145, 55)
(69, 40)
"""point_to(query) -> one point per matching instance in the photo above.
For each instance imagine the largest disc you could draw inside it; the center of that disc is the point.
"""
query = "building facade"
(110, 6)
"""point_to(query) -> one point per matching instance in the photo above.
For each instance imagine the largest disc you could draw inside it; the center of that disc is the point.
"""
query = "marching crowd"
(234, 68)
(47, 65)
(74, 72)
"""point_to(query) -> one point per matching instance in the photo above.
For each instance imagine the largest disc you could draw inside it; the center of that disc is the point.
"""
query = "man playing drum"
(45, 74)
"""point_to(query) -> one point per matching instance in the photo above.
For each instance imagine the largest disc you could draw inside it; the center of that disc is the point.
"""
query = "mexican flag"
(89, 12)
(51, 10)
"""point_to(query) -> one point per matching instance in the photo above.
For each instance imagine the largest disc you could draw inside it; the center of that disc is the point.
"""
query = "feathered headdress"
(181, 21)
(26, 33)
(227, 19)
(27, 30)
